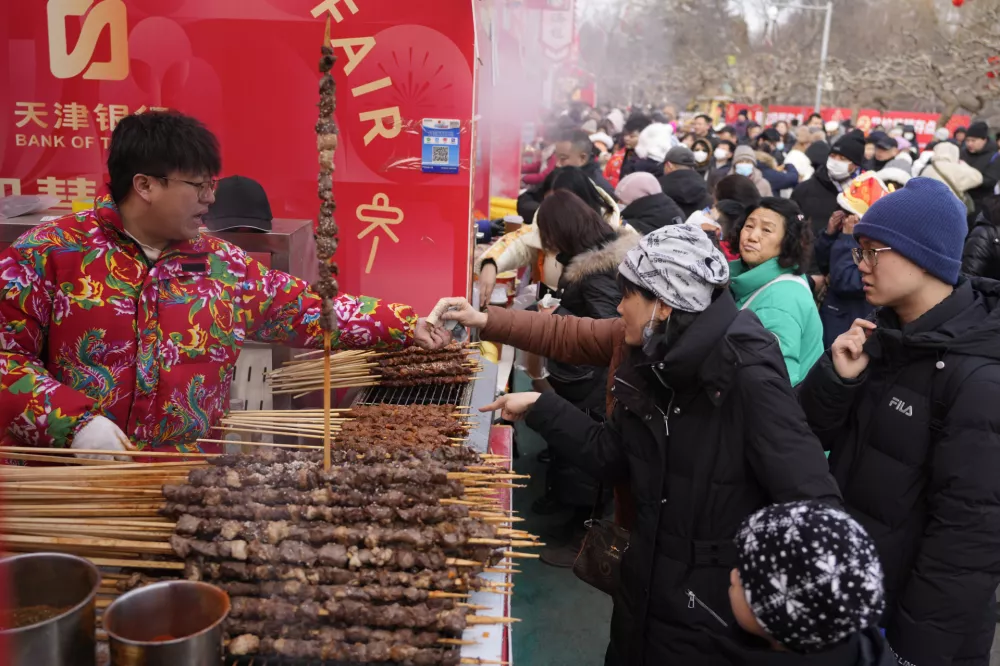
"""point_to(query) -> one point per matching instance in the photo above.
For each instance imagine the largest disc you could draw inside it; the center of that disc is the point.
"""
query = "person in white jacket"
(946, 166)
(797, 155)
(523, 247)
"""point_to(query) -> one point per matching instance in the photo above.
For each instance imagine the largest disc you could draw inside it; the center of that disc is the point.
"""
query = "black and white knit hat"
(811, 574)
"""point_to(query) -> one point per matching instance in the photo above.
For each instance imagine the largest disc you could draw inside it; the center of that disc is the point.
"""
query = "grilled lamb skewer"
(384, 515)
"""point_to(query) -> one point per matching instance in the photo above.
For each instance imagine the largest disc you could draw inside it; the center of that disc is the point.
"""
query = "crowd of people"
(778, 346)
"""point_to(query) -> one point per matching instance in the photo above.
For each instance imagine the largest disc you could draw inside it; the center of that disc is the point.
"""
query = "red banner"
(923, 123)
(248, 70)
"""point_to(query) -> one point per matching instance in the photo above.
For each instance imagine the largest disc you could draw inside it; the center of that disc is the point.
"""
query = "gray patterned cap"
(679, 264)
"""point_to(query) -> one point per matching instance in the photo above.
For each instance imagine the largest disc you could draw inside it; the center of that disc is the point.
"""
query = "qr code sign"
(439, 155)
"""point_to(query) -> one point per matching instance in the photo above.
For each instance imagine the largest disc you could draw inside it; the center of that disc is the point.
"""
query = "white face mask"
(908, 136)
(838, 169)
(744, 169)
(721, 154)
(700, 156)
(780, 146)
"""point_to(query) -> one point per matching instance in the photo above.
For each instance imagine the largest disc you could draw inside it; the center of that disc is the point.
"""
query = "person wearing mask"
(815, 121)
(775, 243)
(647, 208)
(702, 126)
(828, 615)
(682, 183)
(745, 164)
(771, 142)
(946, 166)
(590, 252)
(845, 299)
(797, 155)
(981, 256)
(702, 151)
(574, 149)
(723, 158)
(523, 247)
(817, 197)
(654, 142)
(906, 404)
(779, 177)
(728, 133)
(704, 430)
(910, 135)
(626, 152)
(137, 348)
(980, 153)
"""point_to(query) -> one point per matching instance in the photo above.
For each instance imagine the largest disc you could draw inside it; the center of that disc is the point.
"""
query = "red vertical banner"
(247, 69)
(486, 110)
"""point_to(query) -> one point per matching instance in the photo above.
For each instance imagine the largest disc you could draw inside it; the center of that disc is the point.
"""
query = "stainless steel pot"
(167, 624)
(60, 581)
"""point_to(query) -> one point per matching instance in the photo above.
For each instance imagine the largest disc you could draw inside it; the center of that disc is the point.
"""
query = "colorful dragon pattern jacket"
(89, 326)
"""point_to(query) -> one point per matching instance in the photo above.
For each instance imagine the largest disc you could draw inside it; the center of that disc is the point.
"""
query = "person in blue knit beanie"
(908, 403)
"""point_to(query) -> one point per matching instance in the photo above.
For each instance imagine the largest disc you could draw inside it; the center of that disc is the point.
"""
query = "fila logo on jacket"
(901, 407)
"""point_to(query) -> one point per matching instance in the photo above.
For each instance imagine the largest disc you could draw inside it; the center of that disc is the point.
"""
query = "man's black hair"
(752, 124)
(708, 118)
(580, 141)
(744, 113)
(636, 123)
(159, 143)
(728, 144)
(728, 128)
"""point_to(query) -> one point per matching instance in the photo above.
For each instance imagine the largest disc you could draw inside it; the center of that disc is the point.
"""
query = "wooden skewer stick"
(478, 660)
(277, 446)
(447, 595)
(473, 606)
(455, 641)
(71, 452)
(136, 564)
(530, 556)
(326, 401)
(485, 619)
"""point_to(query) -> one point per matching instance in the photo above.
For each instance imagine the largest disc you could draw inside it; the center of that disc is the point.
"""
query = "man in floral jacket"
(120, 326)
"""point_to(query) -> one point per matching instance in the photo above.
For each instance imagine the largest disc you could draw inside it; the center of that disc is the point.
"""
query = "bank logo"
(66, 63)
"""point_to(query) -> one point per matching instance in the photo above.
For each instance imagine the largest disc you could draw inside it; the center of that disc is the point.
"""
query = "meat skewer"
(296, 590)
(449, 579)
(422, 381)
(427, 357)
(450, 367)
(383, 515)
(326, 634)
(400, 495)
(249, 644)
(420, 616)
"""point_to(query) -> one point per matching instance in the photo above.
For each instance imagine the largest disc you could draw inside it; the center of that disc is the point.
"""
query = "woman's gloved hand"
(101, 434)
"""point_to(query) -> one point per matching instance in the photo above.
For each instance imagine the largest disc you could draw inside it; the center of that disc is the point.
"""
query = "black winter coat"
(650, 213)
(593, 171)
(642, 164)
(817, 197)
(588, 288)
(981, 257)
(915, 447)
(705, 431)
(987, 163)
(845, 295)
(688, 190)
(716, 175)
(866, 648)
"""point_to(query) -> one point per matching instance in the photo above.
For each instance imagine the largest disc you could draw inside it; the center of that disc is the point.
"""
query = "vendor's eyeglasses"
(869, 256)
(204, 188)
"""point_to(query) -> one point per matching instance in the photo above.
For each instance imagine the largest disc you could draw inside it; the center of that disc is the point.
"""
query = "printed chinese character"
(54, 187)
(143, 109)
(72, 116)
(109, 116)
(378, 215)
(30, 113)
(13, 183)
(81, 189)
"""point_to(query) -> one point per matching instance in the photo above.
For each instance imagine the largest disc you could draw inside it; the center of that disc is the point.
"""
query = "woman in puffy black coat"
(981, 257)
(704, 430)
(590, 252)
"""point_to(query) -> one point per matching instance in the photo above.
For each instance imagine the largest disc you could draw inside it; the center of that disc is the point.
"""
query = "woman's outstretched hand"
(513, 406)
(458, 310)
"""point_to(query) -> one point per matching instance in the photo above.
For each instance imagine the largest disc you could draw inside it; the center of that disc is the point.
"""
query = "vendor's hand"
(460, 310)
(513, 406)
(428, 336)
(101, 434)
(849, 357)
(487, 281)
(836, 222)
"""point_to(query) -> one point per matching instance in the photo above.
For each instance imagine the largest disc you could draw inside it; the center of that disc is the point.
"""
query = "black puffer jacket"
(817, 197)
(737, 441)
(987, 163)
(688, 190)
(916, 451)
(650, 213)
(642, 164)
(981, 257)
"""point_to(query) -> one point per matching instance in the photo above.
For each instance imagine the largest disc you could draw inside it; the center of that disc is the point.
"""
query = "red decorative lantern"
(958, 3)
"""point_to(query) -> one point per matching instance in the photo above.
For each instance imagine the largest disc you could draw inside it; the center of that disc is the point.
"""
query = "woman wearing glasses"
(907, 406)
(767, 279)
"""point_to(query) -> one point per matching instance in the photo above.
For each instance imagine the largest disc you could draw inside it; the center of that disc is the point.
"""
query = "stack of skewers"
(455, 364)
(370, 561)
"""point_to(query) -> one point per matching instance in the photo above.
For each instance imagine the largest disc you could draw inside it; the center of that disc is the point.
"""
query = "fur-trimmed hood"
(602, 259)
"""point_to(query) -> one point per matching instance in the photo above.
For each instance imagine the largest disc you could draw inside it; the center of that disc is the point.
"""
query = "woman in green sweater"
(775, 241)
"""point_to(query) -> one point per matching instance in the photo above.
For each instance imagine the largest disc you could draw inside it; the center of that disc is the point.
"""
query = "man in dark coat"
(845, 294)
(647, 208)
(980, 152)
(907, 405)
(981, 257)
(576, 149)
(682, 183)
(817, 197)
(704, 430)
